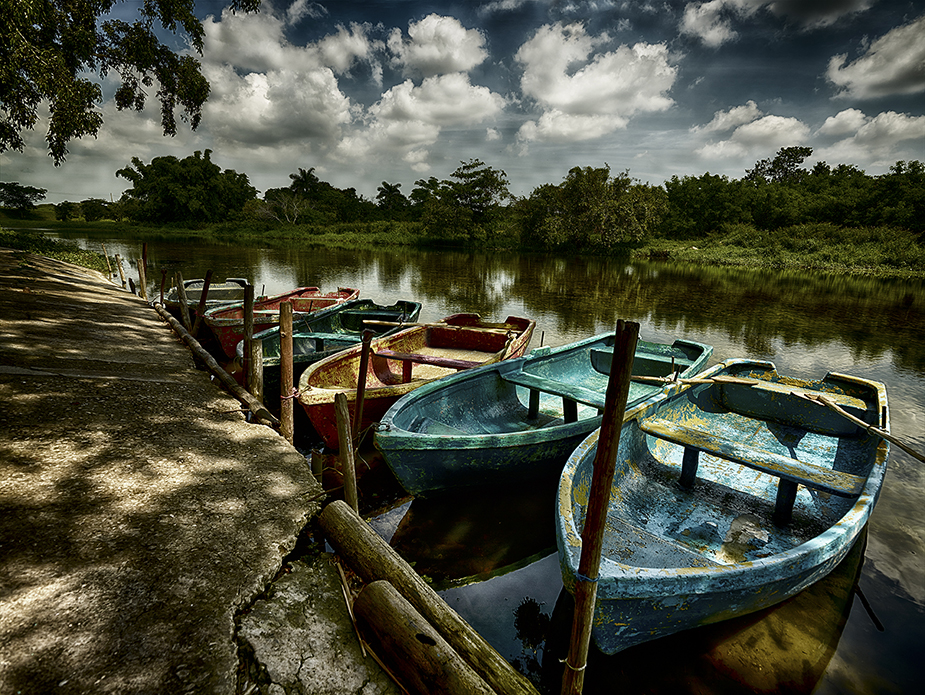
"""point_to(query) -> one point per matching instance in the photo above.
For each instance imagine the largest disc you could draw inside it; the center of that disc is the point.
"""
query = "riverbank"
(142, 519)
(822, 248)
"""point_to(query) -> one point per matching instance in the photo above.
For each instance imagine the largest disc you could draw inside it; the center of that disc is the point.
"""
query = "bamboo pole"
(822, 399)
(348, 469)
(286, 390)
(184, 304)
(201, 309)
(372, 558)
(142, 279)
(626, 335)
(361, 387)
(119, 267)
(254, 405)
(410, 646)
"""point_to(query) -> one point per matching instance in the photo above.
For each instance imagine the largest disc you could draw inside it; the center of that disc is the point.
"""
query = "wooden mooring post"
(184, 303)
(142, 280)
(248, 333)
(624, 349)
(348, 466)
(361, 386)
(372, 559)
(286, 390)
(119, 267)
(201, 309)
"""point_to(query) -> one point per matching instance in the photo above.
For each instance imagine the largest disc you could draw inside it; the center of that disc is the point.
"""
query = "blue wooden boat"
(326, 332)
(520, 418)
(728, 498)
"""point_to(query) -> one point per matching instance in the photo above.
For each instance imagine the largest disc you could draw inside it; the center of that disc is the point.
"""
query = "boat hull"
(675, 558)
(325, 333)
(464, 335)
(227, 322)
(476, 426)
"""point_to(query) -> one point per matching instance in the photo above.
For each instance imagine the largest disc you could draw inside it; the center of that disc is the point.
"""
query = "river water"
(806, 323)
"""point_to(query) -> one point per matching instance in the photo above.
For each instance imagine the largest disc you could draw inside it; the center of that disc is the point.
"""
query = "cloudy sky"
(399, 90)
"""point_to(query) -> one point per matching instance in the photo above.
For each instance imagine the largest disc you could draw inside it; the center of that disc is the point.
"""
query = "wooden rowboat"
(220, 294)
(521, 418)
(227, 322)
(404, 361)
(728, 498)
(324, 333)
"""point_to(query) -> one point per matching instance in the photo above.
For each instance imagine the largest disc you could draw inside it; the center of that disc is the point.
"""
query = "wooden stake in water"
(184, 304)
(348, 468)
(142, 279)
(624, 349)
(286, 392)
(119, 266)
(361, 386)
(248, 331)
(201, 309)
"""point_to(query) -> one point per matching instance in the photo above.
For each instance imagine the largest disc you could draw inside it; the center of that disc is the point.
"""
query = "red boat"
(227, 322)
(403, 361)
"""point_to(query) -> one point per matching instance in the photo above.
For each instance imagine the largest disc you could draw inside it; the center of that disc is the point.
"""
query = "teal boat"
(326, 332)
(728, 498)
(520, 418)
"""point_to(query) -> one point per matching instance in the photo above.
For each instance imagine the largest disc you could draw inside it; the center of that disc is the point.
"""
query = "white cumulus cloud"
(732, 118)
(756, 138)
(876, 140)
(894, 64)
(437, 45)
(585, 92)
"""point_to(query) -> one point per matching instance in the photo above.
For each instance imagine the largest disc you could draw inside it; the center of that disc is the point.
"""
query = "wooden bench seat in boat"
(650, 363)
(570, 393)
(790, 471)
(409, 359)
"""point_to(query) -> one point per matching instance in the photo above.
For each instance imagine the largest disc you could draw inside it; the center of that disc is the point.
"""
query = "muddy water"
(825, 640)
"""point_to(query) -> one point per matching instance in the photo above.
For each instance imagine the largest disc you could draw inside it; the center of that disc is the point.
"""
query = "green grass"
(35, 242)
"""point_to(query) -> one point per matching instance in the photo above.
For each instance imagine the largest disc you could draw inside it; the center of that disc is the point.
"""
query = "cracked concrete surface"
(139, 512)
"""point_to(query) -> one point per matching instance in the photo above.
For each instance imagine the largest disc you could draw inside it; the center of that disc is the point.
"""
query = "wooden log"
(348, 468)
(119, 267)
(361, 386)
(255, 406)
(255, 376)
(626, 336)
(184, 303)
(142, 279)
(201, 309)
(372, 558)
(286, 391)
(410, 647)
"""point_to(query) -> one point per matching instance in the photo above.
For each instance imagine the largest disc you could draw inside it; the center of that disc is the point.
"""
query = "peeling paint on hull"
(677, 558)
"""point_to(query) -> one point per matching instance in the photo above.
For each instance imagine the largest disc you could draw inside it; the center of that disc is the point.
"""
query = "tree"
(391, 200)
(784, 168)
(49, 50)
(66, 211)
(94, 209)
(20, 198)
(193, 189)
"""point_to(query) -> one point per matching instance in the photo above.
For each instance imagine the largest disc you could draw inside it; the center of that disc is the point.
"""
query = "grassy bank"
(872, 251)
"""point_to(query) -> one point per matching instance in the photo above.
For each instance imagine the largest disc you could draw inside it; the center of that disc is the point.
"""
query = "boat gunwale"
(658, 582)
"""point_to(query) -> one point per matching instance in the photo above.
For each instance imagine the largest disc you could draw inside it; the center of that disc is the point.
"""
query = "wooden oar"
(718, 379)
(484, 328)
(822, 399)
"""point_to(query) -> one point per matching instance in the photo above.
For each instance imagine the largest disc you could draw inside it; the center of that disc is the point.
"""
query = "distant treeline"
(590, 210)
